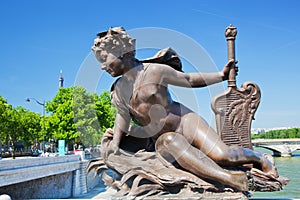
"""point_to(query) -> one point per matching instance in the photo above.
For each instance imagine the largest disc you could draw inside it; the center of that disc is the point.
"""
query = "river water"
(287, 167)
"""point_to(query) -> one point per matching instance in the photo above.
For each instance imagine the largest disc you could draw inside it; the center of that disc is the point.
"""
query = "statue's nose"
(93, 48)
(103, 66)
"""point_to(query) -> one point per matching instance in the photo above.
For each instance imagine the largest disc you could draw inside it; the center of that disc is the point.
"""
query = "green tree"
(4, 107)
(105, 111)
(74, 115)
(78, 116)
(11, 126)
(18, 124)
(93, 115)
(297, 132)
(60, 123)
(30, 126)
(292, 133)
(281, 134)
(85, 118)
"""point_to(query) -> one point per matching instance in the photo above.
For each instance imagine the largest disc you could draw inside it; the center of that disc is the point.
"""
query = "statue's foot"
(269, 157)
(239, 181)
(283, 180)
(269, 167)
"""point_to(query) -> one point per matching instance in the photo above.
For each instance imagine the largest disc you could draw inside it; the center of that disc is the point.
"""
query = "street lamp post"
(42, 104)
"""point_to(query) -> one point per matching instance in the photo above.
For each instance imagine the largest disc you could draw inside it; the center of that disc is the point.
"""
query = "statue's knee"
(167, 146)
(167, 140)
(225, 157)
(220, 156)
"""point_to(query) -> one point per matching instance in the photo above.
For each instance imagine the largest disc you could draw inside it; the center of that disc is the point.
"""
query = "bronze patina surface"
(171, 149)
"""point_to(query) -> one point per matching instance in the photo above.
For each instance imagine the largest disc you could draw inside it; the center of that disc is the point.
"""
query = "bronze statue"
(176, 136)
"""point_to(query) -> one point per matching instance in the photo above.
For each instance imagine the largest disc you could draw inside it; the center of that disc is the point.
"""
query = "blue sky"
(39, 38)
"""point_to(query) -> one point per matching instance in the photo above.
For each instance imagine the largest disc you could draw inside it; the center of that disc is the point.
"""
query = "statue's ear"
(129, 54)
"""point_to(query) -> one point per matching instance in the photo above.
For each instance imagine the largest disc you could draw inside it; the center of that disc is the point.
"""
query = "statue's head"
(115, 41)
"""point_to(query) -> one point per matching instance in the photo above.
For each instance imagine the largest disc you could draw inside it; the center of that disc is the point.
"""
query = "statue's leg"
(203, 137)
(174, 146)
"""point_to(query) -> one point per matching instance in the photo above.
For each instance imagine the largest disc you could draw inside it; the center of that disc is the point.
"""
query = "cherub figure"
(171, 129)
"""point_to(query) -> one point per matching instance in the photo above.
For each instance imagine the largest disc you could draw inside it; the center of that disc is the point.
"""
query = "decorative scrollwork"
(247, 105)
(235, 111)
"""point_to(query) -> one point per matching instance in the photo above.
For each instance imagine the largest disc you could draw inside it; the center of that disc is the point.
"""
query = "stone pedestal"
(111, 193)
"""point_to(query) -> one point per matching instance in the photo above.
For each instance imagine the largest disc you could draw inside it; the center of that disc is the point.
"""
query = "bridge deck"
(288, 141)
(280, 147)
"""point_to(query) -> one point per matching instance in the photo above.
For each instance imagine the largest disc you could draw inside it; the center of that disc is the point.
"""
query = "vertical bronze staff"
(230, 34)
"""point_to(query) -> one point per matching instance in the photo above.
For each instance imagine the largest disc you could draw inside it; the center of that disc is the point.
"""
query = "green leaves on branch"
(278, 134)
(74, 115)
(79, 116)
(60, 123)
(18, 124)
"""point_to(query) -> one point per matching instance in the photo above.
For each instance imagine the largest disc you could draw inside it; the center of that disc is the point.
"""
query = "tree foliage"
(278, 134)
(30, 129)
(79, 116)
(74, 115)
(60, 123)
(18, 124)
(105, 111)
(85, 117)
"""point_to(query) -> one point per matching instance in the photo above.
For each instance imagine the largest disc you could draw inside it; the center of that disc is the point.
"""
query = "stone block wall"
(50, 187)
(46, 178)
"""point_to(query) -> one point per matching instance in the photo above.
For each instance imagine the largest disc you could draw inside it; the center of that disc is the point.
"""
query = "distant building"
(61, 80)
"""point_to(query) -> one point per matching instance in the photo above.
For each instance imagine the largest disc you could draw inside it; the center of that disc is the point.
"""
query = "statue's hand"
(231, 63)
(114, 148)
(109, 133)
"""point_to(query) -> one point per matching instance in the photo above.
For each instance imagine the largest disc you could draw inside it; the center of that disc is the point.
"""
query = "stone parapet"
(21, 170)
(44, 177)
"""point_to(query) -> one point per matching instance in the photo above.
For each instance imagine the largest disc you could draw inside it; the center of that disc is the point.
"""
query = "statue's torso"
(149, 102)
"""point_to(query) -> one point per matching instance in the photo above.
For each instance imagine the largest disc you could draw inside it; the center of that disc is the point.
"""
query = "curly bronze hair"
(115, 41)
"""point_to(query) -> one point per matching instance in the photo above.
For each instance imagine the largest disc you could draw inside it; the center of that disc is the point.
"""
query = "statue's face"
(110, 63)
